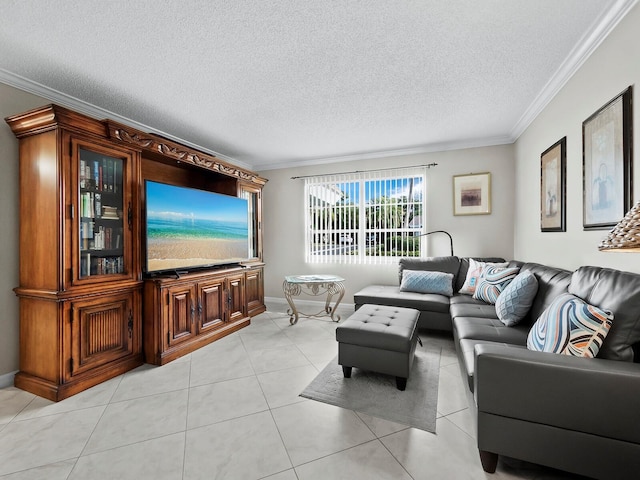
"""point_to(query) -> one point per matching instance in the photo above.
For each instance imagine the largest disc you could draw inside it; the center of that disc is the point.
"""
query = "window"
(364, 217)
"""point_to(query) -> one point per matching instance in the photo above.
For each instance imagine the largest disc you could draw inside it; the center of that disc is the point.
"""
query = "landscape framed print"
(553, 184)
(607, 163)
(472, 194)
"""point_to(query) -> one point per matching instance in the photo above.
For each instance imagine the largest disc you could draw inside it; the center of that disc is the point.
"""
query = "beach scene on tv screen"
(193, 228)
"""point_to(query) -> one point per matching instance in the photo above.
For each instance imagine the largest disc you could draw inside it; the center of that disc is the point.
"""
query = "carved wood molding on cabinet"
(179, 152)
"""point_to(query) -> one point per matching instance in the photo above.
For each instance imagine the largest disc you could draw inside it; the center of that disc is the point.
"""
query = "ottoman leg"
(346, 371)
(401, 383)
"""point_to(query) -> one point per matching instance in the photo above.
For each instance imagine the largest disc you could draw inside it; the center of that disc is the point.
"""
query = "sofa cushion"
(515, 300)
(570, 326)
(479, 310)
(493, 280)
(430, 264)
(427, 282)
(490, 329)
(619, 293)
(392, 296)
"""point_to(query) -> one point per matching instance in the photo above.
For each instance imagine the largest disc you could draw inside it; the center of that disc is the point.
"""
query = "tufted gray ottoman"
(381, 339)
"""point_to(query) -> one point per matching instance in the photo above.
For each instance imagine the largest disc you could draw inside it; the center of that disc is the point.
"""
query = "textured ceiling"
(269, 84)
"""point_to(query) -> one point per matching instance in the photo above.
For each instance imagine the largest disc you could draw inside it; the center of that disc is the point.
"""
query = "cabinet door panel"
(211, 305)
(255, 292)
(102, 331)
(182, 311)
(236, 300)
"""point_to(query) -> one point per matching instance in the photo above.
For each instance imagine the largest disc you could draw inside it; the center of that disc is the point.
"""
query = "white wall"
(611, 69)
(12, 101)
(477, 235)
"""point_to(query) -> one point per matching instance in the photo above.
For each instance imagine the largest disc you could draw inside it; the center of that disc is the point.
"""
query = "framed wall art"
(607, 163)
(553, 167)
(472, 194)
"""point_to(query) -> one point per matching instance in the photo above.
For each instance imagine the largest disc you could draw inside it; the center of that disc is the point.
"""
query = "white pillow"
(473, 275)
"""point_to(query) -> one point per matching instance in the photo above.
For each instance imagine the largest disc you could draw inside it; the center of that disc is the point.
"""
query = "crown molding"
(99, 113)
(430, 148)
(580, 53)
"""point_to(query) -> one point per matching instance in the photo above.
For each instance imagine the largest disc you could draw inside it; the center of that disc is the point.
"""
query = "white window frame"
(350, 240)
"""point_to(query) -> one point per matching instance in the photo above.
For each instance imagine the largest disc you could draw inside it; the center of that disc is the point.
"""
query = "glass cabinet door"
(104, 214)
(252, 195)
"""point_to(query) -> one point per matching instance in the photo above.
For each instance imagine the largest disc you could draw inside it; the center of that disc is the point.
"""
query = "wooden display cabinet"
(82, 295)
(79, 281)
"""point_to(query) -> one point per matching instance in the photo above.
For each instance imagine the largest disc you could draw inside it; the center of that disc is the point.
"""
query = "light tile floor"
(231, 410)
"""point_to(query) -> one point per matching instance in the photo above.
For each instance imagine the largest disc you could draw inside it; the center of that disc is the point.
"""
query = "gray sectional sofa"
(576, 414)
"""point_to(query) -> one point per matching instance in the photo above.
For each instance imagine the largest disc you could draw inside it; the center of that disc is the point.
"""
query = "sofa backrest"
(430, 264)
(619, 293)
(552, 282)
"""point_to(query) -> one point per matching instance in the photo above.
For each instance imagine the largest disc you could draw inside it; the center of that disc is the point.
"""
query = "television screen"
(188, 228)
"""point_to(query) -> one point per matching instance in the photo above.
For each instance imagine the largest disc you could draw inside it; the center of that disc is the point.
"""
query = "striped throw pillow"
(493, 281)
(570, 326)
(473, 275)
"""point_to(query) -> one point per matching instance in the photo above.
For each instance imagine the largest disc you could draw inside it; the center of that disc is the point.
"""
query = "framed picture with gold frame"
(553, 167)
(472, 194)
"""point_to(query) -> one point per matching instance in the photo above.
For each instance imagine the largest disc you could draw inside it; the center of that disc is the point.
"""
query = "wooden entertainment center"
(87, 310)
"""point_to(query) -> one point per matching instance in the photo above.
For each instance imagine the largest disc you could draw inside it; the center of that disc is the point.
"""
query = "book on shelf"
(117, 175)
(110, 176)
(87, 204)
(96, 174)
(87, 176)
(83, 166)
(110, 212)
(107, 265)
(98, 205)
(85, 265)
(86, 234)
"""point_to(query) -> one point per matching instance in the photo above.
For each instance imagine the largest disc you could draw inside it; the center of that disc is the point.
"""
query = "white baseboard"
(6, 380)
(280, 305)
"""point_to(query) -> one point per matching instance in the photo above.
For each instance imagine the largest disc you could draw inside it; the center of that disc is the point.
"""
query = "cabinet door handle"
(199, 308)
(193, 311)
(129, 216)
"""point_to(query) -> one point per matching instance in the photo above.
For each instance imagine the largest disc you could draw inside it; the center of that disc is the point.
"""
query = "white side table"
(314, 285)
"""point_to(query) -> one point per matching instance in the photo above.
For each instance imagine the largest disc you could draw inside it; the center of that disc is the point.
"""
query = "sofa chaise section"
(572, 413)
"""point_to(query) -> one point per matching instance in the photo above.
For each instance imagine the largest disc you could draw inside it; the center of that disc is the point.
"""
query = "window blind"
(364, 217)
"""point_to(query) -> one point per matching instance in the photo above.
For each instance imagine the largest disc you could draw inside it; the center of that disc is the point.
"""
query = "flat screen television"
(187, 228)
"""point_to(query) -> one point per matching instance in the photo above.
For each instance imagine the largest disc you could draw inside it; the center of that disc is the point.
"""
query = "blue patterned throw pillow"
(516, 299)
(570, 326)
(422, 281)
(492, 282)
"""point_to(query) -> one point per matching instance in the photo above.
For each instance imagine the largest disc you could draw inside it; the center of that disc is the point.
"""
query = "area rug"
(376, 394)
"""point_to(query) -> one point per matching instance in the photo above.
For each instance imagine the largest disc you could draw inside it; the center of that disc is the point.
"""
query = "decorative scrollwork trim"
(179, 152)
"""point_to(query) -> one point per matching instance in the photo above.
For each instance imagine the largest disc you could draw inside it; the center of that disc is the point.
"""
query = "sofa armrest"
(588, 395)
